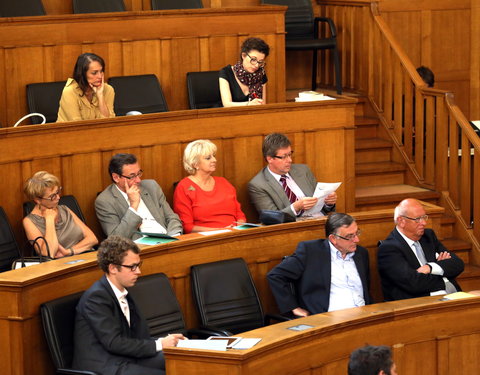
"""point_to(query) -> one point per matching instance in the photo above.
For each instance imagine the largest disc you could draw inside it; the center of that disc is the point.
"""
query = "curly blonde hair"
(194, 151)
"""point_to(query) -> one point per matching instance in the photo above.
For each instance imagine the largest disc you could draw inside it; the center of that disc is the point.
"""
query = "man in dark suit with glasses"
(111, 335)
(412, 262)
(324, 275)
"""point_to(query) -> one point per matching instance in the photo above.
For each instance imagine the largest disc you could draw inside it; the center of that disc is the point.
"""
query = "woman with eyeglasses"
(245, 83)
(202, 201)
(86, 96)
(63, 231)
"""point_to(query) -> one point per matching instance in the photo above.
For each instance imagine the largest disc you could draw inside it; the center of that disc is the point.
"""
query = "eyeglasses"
(284, 157)
(349, 237)
(133, 267)
(416, 219)
(255, 61)
(133, 175)
(54, 195)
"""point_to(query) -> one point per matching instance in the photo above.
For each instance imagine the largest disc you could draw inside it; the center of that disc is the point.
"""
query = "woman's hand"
(49, 213)
(62, 252)
(255, 101)
(98, 90)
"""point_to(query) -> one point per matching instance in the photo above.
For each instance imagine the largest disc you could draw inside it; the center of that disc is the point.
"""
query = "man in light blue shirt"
(330, 274)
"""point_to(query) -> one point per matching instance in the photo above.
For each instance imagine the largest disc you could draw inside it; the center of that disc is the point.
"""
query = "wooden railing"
(430, 133)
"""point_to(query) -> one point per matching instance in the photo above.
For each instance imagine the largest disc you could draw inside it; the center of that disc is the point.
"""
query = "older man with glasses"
(327, 275)
(131, 205)
(412, 262)
(111, 335)
(282, 185)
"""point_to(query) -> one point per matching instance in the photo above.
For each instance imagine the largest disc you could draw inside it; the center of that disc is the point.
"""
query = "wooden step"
(370, 143)
(366, 127)
(388, 196)
(447, 223)
(459, 247)
(381, 173)
(469, 279)
(369, 150)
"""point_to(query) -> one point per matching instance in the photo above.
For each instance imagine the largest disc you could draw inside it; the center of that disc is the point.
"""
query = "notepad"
(246, 226)
(153, 241)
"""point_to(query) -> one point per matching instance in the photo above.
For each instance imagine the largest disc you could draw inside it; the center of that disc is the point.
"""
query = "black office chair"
(203, 90)
(176, 4)
(302, 34)
(58, 318)
(9, 250)
(156, 299)
(141, 93)
(44, 98)
(98, 6)
(21, 8)
(226, 297)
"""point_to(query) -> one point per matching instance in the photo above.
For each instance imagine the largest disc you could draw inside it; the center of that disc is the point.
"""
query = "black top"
(235, 89)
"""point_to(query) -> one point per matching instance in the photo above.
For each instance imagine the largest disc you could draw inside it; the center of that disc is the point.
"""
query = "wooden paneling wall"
(436, 33)
(166, 43)
(65, 6)
(475, 61)
(322, 135)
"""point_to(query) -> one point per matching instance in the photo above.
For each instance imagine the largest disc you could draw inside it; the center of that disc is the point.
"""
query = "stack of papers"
(312, 96)
(219, 343)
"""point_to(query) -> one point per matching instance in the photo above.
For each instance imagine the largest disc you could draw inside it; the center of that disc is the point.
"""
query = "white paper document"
(246, 343)
(312, 96)
(212, 232)
(203, 344)
(321, 191)
(219, 343)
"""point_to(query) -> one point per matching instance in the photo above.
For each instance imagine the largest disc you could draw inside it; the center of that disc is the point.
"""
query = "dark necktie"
(290, 194)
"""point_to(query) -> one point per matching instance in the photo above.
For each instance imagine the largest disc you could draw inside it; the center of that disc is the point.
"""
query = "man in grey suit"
(283, 186)
(130, 205)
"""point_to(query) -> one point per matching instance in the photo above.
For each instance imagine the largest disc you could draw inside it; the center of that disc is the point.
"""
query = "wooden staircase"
(380, 183)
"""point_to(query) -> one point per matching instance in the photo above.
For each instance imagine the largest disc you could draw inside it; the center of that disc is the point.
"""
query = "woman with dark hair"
(245, 83)
(86, 96)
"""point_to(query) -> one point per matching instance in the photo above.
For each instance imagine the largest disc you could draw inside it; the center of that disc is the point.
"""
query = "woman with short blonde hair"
(63, 231)
(205, 202)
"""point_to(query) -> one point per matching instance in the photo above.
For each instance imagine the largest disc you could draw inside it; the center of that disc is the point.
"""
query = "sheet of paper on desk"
(203, 344)
(246, 343)
(212, 232)
(458, 295)
(321, 191)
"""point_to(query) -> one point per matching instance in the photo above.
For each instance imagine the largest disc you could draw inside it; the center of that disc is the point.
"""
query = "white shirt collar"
(337, 254)
(277, 176)
(122, 192)
(117, 292)
(409, 241)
